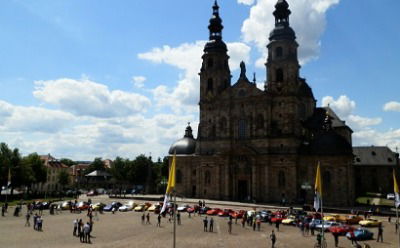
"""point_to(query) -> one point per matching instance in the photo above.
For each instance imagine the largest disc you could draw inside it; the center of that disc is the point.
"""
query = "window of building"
(178, 176)
(281, 179)
(279, 75)
(242, 128)
(210, 63)
(207, 177)
(210, 85)
(279, 52)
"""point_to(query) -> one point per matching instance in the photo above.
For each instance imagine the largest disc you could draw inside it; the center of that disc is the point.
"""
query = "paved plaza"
(126, 230)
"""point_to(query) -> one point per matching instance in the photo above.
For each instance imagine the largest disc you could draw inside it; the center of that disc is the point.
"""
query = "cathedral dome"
(184, 146)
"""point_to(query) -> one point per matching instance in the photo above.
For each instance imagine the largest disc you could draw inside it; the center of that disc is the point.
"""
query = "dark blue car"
(109, 207)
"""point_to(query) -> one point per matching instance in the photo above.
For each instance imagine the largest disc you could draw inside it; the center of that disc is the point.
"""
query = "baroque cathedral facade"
(263, 145)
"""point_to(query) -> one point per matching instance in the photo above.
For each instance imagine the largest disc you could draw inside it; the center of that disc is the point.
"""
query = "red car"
(277, 217)
(225, 213)
(214, 211)
(342, 229)
(238, 214)
(195, 208)
(83, 205)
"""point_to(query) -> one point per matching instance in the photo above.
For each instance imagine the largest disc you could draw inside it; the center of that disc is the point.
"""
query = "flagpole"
(322, 216)
(174, 219)
(397, 221)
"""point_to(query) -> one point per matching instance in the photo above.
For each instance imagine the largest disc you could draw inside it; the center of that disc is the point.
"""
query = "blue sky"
(85, 79)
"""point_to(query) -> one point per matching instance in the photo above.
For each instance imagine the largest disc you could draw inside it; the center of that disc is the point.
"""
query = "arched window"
(242, 129)
(260, 121)
(210, 63)
(178, 176)
(207, 177)
(279, 52)
(326, 179)
(210, 85)
(279, 75)
(281, 179)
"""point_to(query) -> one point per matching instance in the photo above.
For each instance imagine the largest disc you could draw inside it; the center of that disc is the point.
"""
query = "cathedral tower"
(215, 75)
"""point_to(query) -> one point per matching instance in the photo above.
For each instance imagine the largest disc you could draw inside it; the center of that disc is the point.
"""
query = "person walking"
(273, 239)
(178, 218)
(148, 218)
(336, 238)
(28, 217)
(75, 223)
(3, 210)
(380, 234)
(35, 217)
(258, 224)
(39, 223)
(80, 230)
(277, 225)
(159, 220)
(243, 222)
(211, 229)
(229, 226)
(205, 224)
(254, 225)
(143, 217)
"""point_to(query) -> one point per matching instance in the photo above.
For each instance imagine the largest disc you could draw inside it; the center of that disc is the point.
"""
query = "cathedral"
(263, 145)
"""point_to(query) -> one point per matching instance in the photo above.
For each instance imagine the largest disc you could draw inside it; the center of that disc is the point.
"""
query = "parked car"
(353, 219)
(290, 220)
(390, 196)
(183, 208)
(193, 209)
(326, 225)
(204, 210)
(98, 205)
(92, 193)
(238, 214)
(214, 211)
(225, 213)
(128, 206)
(370, 223)
(142, 207)
(112, 205)
(361, 234)
(83, 205)
(66, 205)
(341, 229)
(335, 217)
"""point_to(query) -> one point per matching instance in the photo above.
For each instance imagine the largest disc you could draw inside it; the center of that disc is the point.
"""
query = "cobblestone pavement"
(126, 230)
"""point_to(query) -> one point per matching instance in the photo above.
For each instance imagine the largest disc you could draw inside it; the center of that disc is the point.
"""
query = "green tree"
(39, 170)
(63, 178)
(68, 162)
(97, 164)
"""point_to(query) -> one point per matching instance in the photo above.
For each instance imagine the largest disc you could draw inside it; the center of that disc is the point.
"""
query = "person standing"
(3, 210)
(35, 217)
(40, 223)
(380, 234)
(277, 225)
(75, 226)
(80, 231)
(28, 217)
(205, 224)
(273, 239)
(86, 231)
(258, 224)
(229, 226)
(211, 224)
(243, 221)
(178, 218)
(159, 220)
(143, 217)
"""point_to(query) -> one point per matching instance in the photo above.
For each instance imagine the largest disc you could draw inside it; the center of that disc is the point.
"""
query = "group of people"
(82, 230)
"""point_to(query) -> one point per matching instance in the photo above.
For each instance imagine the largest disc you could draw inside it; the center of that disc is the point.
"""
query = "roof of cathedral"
(328, 143)
(186, 145)
(374, 156)
(215, 28)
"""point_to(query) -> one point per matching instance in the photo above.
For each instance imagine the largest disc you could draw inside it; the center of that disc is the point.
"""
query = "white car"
(183, 208)
(128, 206)
(327, 225)
(390, 196)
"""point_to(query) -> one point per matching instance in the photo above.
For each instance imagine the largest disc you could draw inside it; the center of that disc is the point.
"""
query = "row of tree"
(30, 169)
(24, 171)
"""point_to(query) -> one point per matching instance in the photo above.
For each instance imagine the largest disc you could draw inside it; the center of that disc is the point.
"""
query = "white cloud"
(308, 19)
(138, 81)
(368, 137)
(246, 2)
(84, 97)
(358, 122)
(184, 97)
(392, 106)
(343, 106)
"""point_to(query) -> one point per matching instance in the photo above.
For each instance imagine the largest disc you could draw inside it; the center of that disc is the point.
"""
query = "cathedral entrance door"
(242, 190)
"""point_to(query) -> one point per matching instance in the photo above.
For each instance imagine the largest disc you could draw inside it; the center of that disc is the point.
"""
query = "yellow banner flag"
(171, 176)
(396, 191)
(318, 182)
